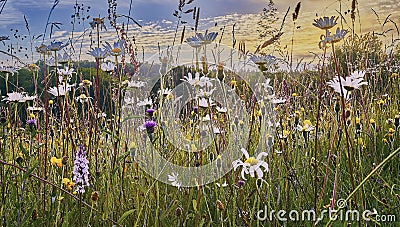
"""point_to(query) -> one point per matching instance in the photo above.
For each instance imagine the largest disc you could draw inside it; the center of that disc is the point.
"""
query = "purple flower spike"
(81, 170)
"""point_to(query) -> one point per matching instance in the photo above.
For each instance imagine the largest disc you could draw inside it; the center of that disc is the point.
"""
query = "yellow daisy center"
(252, 161)
(116, 50)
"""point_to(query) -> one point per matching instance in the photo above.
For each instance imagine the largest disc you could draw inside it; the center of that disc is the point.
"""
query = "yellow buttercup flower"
(286, 132)
(68, 183)
(294, 95)
(56, 161)
(381, 102)
(358, 120)
(372, 121)
(395, 75)
(307, 122)
(391, 130)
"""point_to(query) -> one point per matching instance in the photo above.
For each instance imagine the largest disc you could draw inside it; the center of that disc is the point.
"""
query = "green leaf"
(131, 117)
(125, 215)
(194, 202)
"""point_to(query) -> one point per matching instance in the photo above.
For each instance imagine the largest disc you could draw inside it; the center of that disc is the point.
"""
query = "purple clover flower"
(31, 123)
(81, 170)
(149, 126)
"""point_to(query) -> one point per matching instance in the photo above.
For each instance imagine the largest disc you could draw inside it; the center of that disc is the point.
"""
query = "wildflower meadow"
(103, 124)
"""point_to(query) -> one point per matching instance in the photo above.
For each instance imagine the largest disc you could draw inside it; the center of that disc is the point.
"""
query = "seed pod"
(64, 160)
(178, 211)
(220, 205)
(95, 196)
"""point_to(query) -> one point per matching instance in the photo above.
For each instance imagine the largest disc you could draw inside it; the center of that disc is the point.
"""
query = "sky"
(158, 23)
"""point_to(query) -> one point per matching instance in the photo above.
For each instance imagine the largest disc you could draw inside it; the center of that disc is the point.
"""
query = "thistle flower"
(149, 126)
(31, 123)
(150, 112)
(81, 170)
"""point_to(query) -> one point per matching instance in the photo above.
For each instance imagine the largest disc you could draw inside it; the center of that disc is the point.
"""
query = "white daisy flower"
(136, 84)
(61, 90)
(203, 102)
(66, 71)
(222, 109)
(146, 102)
(107, 66)
(173, 178)
(15, 97)
(252, 166)
(278, 100)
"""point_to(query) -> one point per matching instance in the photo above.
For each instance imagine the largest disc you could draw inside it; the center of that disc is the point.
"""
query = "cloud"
(10, 16)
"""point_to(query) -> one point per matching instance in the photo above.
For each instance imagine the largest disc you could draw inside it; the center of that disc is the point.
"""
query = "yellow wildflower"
(381, 102)
(56, 161)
